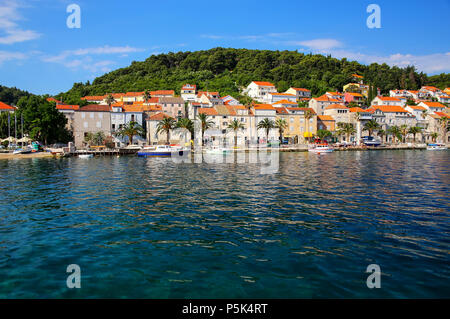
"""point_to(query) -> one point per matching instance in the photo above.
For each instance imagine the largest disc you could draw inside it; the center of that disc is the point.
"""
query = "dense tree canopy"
(42, 121)
(11, 95)
(229, 70)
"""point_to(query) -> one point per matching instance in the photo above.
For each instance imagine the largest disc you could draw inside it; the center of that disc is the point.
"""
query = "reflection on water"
(149, 228)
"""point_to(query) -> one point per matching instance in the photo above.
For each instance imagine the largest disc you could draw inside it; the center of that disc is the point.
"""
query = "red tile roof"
(163, 92)
(67, 107)
(417, 107)
(325, 98)
(325, 118)
(4, 106)
(285, 102)
(336, 106)
(389, 98)
(301, 89)
(95, 108)
(207, 111)
(93, 98)
(159, 116)
(442, 114)
(52, 99)
(433, 104)
(264, 107)
(261, 83)
(357, 109)
(390, 108)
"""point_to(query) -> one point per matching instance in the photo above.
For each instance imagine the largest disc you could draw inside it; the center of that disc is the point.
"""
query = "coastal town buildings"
(318, 104)
(189, 92)
(259, 90)
(300, 93)
(326, 111)
(298, 126)
(91, 118)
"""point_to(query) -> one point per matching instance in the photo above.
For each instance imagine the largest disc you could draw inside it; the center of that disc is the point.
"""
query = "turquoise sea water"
(150, 228)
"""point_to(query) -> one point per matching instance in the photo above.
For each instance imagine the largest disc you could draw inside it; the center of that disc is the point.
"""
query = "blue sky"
(39, 53)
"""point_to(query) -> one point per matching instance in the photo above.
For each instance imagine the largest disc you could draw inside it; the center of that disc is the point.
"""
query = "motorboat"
(436, 147)
(163, 150)
(86, 155)
(22, 151)
(321, 148)
(216, 150)
(370, 141)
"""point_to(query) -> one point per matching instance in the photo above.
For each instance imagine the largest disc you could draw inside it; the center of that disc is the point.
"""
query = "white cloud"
(83, 58)
(429, 63)
(10, 31)
(319, 44)
(7, 56)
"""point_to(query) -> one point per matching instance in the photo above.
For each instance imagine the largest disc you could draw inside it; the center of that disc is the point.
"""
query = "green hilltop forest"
(229, 70)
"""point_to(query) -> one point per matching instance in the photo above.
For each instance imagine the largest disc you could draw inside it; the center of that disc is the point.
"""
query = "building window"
(132, 117)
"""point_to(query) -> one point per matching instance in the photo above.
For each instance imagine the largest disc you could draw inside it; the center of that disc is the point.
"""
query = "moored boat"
(23, 151)
(86, 155)
(436, 147)
(321, 148)
(163, 150)
(215, 150)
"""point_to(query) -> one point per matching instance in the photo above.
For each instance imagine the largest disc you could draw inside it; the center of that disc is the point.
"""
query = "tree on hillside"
(42, 121)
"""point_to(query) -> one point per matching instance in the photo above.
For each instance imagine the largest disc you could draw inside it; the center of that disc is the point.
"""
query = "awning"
(307, 134)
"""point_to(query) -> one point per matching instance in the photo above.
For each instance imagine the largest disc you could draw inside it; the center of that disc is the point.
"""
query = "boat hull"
(162, 153)
(321, 151)
(86, 156)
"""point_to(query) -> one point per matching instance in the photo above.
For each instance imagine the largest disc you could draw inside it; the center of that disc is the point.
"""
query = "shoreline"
(8, 156)
(22, 156)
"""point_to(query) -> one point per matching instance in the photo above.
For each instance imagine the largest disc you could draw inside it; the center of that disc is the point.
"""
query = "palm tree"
(443, 123)
(110, 100)
(347, 129)
(424, 114)
(99, 138)
(130, 129)
(187, 124)
(235, 125)
(165, 125)
(308, 115)
(281, 125)
(205, 124)
(322, 134)
(89, 138)
(415, 130)
(371, 126)
(404, 130)
(395, 132)
(381, 133)
(266, 124)
(434, 136)
(147, 96)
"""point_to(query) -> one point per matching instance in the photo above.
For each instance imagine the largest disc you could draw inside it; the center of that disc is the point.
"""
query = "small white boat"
(86, 155)
(215, 150)
(321, 148)
(436, 147)
(163, 150)
(22, 151)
